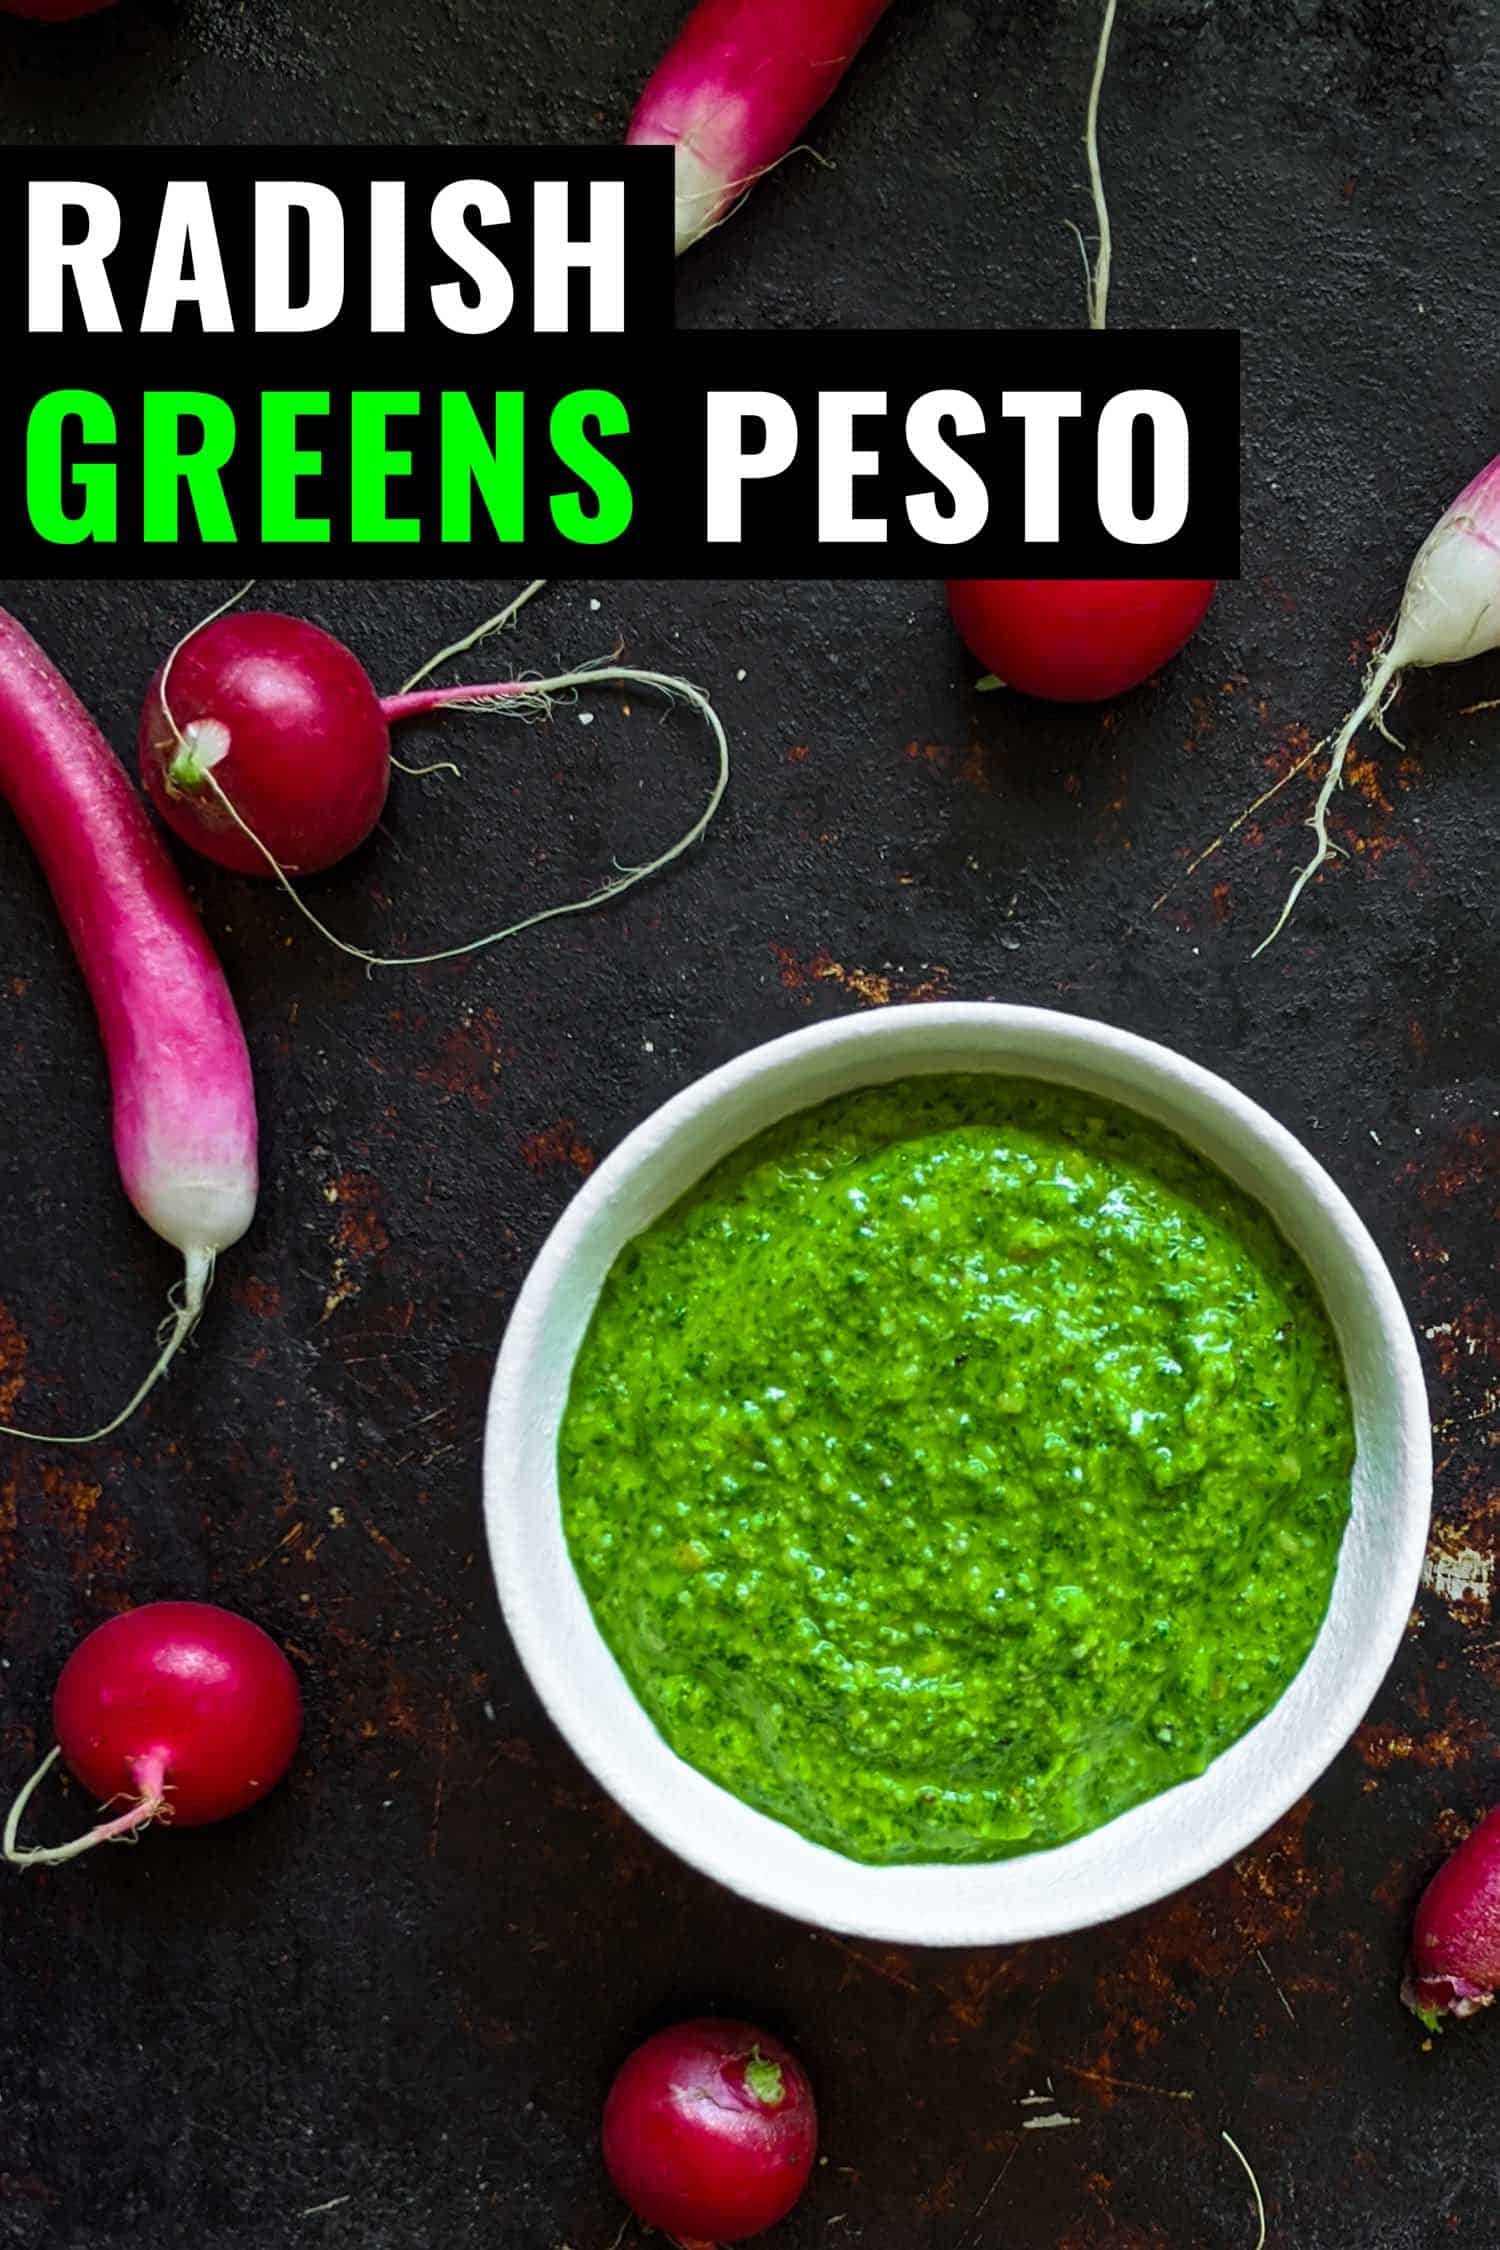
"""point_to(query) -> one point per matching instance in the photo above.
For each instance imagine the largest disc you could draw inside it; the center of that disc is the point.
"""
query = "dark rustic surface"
(380, 2013)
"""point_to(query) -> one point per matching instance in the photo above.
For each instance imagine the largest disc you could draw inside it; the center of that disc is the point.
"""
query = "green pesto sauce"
(958, 1464)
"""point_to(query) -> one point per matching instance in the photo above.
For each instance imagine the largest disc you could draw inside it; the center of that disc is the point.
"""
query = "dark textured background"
(380, 2013)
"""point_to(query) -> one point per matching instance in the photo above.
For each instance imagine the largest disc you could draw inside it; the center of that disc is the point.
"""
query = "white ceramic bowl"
(1157, 1847)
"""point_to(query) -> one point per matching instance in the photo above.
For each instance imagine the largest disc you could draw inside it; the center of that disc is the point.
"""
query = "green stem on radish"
(151, 1805)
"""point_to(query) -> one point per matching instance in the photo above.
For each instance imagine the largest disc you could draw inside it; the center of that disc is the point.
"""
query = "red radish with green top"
(734, 91)
(186, 1711)
(184, 1105)
(264, 744)
(710, 2132)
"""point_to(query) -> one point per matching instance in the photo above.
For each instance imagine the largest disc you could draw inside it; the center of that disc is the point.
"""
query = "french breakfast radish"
(186, 1711)
(1077, 640)
(735, 89)
(710, 2132)
(184, 1104)
(263, 743)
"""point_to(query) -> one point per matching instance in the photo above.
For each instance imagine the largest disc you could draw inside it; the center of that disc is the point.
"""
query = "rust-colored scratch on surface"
(468, 1062)
(886, 1965)
(1435, 1749)
(73, 1498)
(446, 1736)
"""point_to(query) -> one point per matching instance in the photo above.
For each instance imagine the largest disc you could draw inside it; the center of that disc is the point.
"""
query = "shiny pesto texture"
(958, 1464)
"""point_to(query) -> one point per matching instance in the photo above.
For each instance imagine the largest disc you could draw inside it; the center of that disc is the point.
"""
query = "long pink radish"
(184, 1105)
(265, 744)
(735, 90)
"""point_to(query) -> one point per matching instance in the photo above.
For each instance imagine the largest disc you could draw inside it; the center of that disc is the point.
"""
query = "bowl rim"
(659, 1790)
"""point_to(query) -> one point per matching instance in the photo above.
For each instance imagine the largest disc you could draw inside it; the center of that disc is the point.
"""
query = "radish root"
(484, 632)
(461, 648)
(1096, 277)
(126, 1827)
(188, 1298)
(1307, 758)
(1379, 686)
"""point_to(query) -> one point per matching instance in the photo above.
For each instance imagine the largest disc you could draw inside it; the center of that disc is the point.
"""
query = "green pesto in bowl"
(958, 1464)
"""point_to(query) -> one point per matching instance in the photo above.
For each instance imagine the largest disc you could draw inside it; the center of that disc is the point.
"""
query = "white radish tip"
(703, 196)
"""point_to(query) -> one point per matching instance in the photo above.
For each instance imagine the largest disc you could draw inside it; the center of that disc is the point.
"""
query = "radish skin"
(184, 1104)
(1449, 612)
(53, 11)
(1454, 1965)
(735, 90)
(249, 692)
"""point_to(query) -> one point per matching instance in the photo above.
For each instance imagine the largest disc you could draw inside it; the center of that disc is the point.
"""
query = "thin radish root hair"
(532, 699)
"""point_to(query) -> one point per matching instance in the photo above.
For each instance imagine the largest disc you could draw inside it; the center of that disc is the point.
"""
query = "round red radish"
(286, 721)
(1077, 640)
(710, 2131)
(184, 1711)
